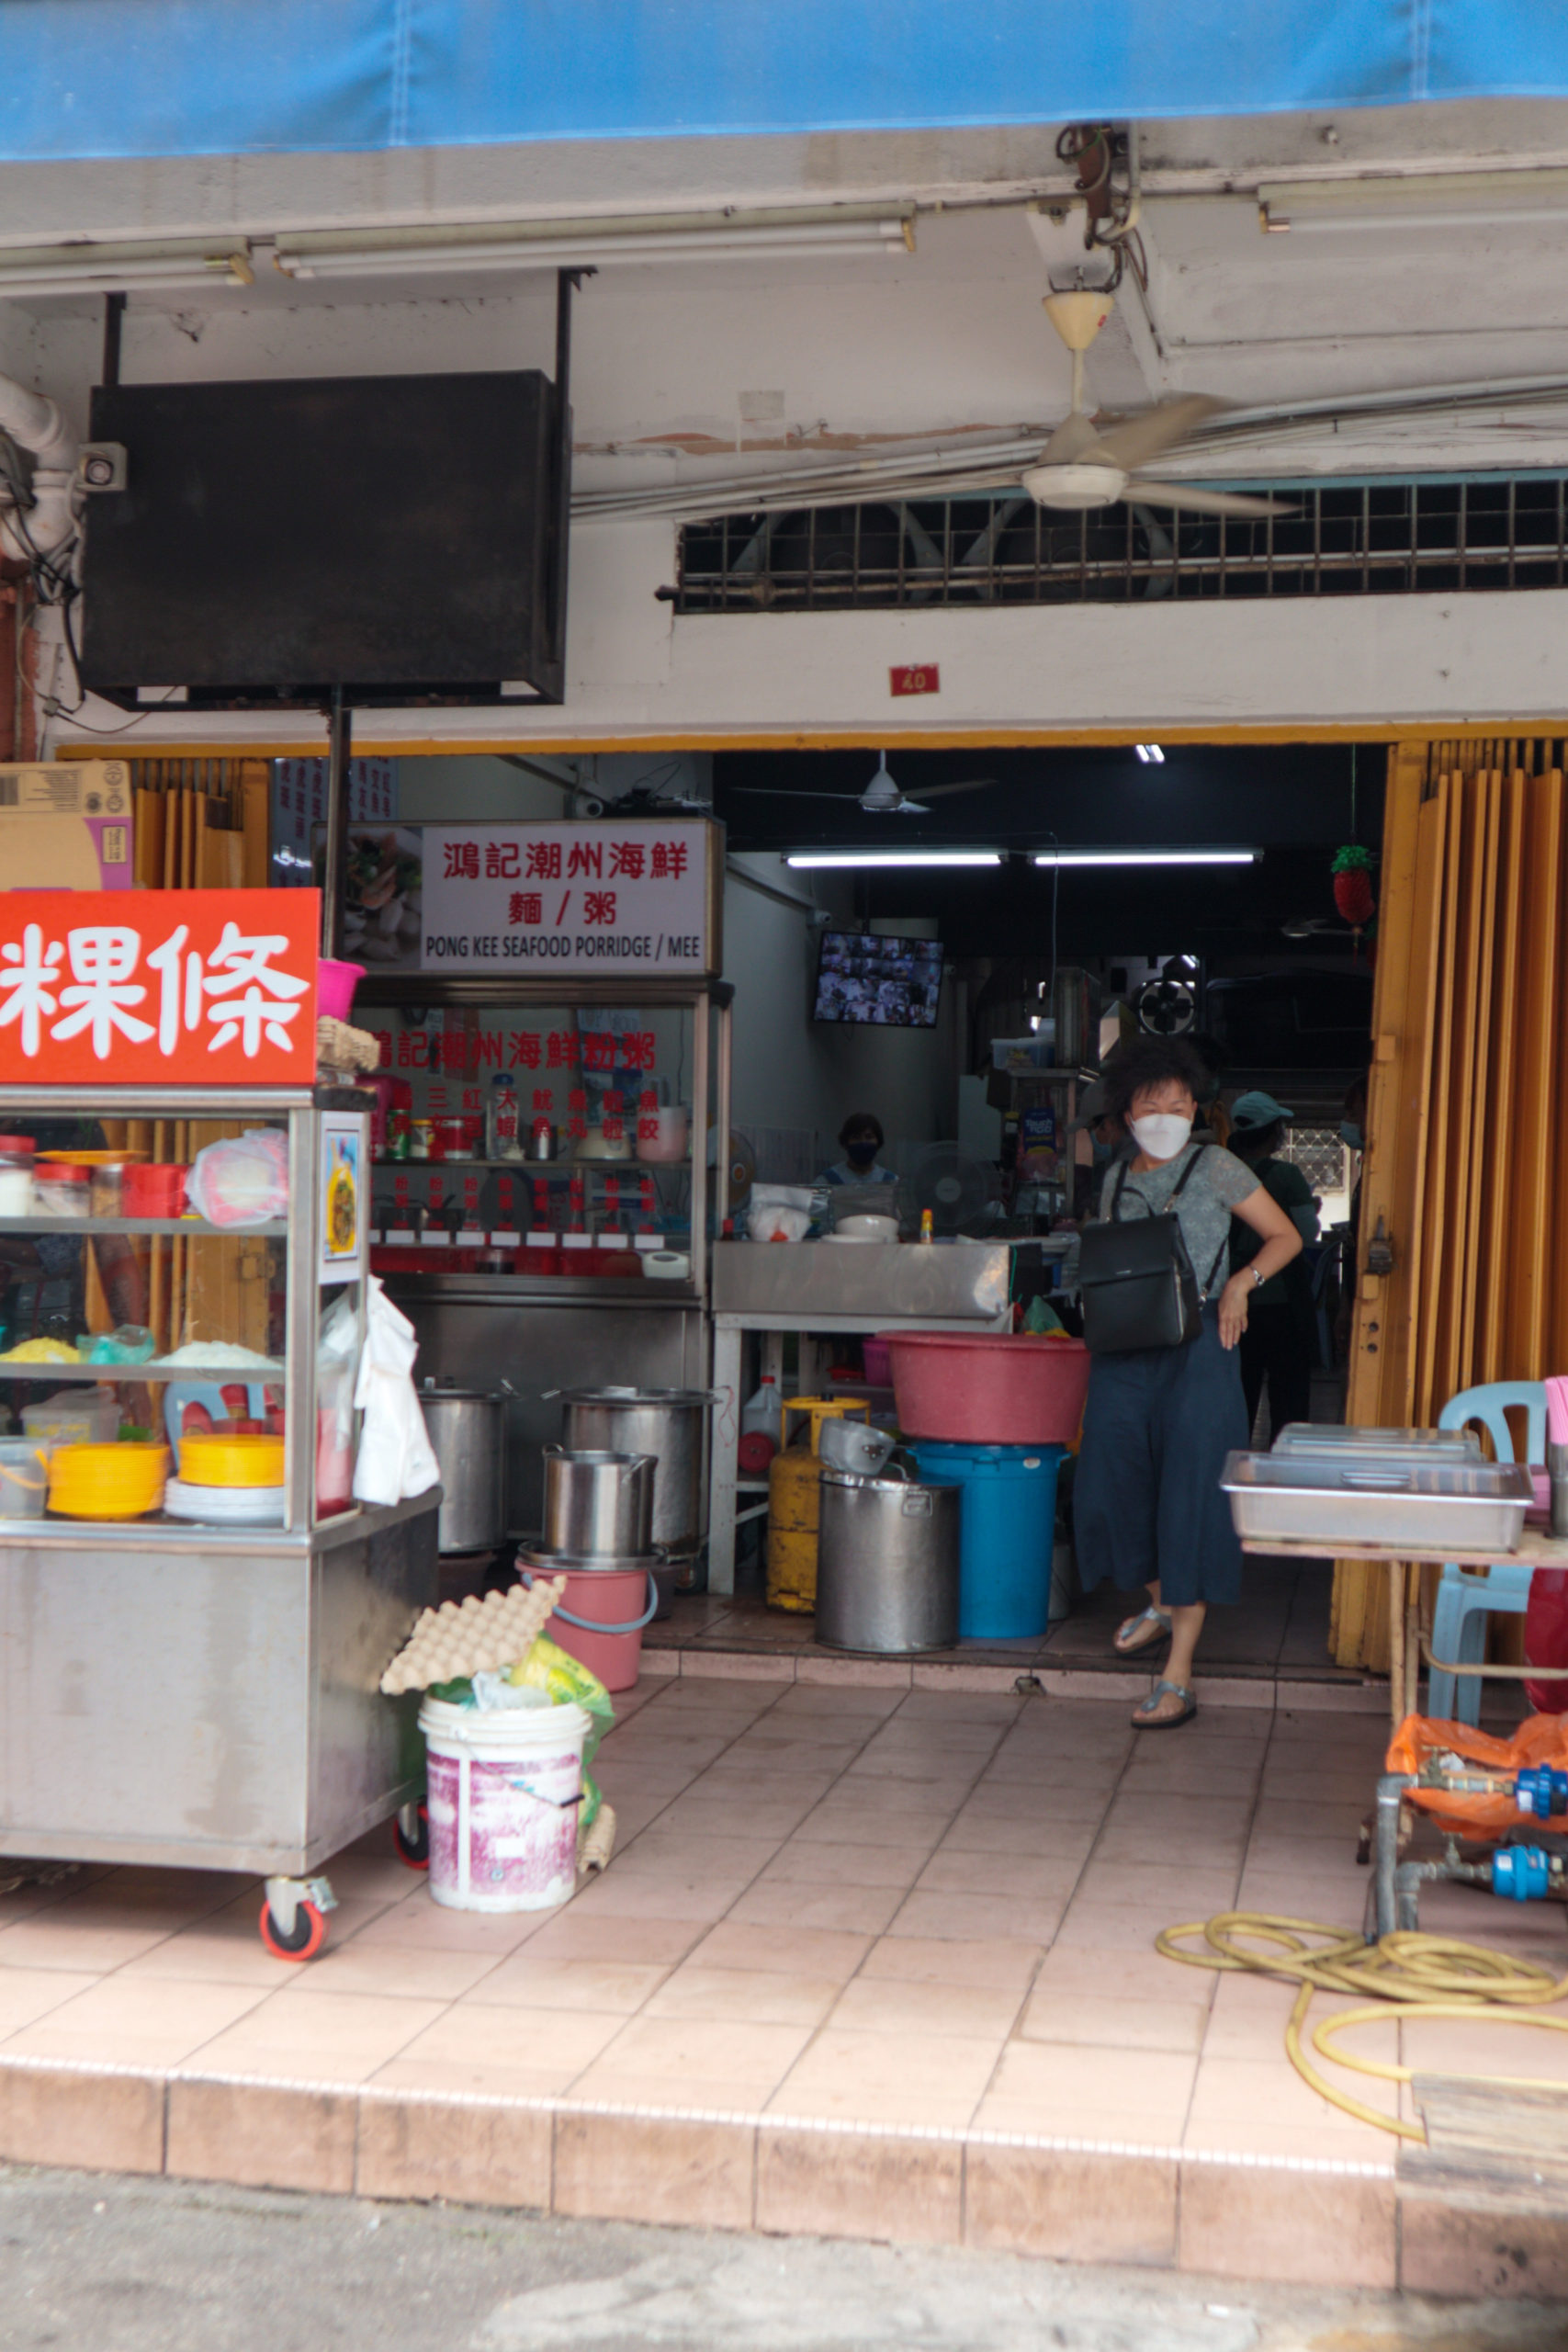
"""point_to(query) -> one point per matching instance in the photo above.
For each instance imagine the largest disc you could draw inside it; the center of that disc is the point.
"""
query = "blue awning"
(185, 77)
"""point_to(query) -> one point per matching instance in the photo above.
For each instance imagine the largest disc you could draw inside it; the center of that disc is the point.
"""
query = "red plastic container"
(988, 1387)
(154, 1189)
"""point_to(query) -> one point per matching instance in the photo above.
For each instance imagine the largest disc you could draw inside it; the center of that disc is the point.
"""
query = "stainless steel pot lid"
(638, 1396)
(441, 1392)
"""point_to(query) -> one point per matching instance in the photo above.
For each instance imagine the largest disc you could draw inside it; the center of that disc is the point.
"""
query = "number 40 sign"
(120, 988)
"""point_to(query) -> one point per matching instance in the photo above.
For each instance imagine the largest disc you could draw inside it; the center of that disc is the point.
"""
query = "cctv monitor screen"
(888, 983)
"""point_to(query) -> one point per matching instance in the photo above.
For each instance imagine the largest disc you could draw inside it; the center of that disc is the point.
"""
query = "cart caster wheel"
(304, 1941)
(412, 1849)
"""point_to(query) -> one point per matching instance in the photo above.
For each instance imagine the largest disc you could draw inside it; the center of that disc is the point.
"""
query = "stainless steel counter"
(893, 1281)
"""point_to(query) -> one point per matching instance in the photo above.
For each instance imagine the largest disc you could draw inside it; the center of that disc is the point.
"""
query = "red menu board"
(157, 987)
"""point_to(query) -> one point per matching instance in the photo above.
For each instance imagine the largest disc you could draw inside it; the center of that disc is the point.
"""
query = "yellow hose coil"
(1409, 1975)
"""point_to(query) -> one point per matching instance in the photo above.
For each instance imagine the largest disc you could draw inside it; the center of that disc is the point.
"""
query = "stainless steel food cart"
(200, 1695)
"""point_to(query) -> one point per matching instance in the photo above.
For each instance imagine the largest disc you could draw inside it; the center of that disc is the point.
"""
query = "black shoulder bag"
(1139, 1289)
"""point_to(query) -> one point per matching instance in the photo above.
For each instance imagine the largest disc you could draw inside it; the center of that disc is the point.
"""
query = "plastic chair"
(181, 1393)
(1467, 1597)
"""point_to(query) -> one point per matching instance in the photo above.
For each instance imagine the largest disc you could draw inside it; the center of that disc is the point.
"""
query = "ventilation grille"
(1376, 538)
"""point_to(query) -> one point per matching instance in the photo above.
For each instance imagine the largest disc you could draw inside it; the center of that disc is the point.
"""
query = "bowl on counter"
(861, 1226)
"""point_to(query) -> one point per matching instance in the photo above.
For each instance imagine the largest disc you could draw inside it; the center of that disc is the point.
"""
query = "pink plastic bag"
(244, 1182)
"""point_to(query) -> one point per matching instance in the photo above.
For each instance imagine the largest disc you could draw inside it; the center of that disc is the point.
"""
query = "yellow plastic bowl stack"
(210, 1459)
(107, 1481)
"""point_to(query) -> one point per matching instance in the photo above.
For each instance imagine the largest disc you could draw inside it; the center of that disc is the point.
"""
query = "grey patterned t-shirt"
(1216, 1184)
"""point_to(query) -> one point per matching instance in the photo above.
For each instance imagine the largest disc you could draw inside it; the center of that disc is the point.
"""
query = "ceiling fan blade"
(905, 808)
(1074, 434)
(1193, 501)
(1146, 436)
(786, 792)
(942, 791)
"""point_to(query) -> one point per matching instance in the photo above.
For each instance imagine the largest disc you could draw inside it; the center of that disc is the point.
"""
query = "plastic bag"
(565, 1680)
(1546, 1638)
(242, 1181)
(130, 1344)
(1540, 1739)
(396, 1459)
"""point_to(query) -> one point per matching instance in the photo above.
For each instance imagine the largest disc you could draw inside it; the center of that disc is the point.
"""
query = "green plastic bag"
(567, 1681)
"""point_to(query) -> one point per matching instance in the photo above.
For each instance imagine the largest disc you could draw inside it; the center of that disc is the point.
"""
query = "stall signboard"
(559, 899)
(154, 988)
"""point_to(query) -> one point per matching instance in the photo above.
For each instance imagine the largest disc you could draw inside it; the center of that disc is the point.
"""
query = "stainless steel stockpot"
(599, 1505)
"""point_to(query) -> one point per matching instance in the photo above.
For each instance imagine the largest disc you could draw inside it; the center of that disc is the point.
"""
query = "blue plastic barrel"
(1009, 1526)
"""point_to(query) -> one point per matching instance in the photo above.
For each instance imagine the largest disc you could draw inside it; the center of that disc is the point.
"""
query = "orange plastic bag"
(1540, 1739)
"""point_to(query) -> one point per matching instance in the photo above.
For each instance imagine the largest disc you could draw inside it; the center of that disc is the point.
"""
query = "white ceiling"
(702, 367)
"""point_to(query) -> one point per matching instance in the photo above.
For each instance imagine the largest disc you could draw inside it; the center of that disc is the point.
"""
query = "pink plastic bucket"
(335, 984)
(988, 1387)
(602, 1618)
(504, 1788)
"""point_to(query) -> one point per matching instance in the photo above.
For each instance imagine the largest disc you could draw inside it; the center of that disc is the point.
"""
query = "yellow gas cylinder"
(795, 1478)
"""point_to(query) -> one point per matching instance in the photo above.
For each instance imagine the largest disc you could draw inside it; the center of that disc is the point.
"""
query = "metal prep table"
(816, 1288)
(1409, 1643)
(198, 1695)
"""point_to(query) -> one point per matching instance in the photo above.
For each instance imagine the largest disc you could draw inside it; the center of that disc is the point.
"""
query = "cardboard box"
(67, 826)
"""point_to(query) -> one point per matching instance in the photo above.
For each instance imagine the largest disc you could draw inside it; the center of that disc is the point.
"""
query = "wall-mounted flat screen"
(400, 536)
(888, 983)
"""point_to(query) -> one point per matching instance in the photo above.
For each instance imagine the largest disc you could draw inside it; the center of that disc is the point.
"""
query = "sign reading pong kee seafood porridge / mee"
(138, 988)
(555, 899)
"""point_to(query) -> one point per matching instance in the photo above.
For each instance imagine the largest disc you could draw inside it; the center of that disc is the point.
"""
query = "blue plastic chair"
(1467, 1597)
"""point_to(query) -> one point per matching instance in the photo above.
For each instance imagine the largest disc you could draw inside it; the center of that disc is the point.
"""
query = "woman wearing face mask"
(1160, 1421)
(860, 1139)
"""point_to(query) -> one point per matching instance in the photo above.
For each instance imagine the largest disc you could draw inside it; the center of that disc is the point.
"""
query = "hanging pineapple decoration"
(1353, 889)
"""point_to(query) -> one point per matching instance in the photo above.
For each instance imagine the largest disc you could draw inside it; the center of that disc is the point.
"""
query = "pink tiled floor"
(857, 1905)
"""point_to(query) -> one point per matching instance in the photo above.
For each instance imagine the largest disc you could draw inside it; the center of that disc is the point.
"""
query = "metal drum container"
(598, 1506)
(668, 1423)
(467, 1434)
(887, 1563)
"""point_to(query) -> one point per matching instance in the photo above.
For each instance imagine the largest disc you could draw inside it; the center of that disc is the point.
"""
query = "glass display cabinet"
(193, 1629)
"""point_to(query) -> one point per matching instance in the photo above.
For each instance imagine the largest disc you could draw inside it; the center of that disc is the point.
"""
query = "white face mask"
(1161, 1134)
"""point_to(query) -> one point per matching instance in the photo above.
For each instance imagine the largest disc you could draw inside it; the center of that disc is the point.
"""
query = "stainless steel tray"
(1331, 1438)
(1429, 1508)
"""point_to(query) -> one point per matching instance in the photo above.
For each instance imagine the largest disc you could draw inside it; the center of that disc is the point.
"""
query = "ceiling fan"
(1081, 468)
(880, 798)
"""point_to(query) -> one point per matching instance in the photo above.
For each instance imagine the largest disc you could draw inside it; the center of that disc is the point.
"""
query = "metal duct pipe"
(34, 424)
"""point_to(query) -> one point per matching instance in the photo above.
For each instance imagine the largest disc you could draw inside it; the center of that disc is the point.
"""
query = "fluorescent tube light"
(790, 232)
(1449, 201)
(820, 857)
(1150, 754)
(84, 266)
(1147, 856)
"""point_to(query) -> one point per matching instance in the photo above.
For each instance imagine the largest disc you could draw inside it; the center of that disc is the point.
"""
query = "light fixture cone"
(1078, 316)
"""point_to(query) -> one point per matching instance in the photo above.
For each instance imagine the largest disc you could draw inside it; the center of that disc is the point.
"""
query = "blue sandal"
(1144, 1720)
(1158, 1617)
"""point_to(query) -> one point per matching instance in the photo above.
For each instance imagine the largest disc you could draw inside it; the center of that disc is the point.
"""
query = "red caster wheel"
(304, 1941)
(413, 1847)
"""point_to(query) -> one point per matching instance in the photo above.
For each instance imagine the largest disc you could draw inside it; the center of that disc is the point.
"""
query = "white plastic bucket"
(503, 1788)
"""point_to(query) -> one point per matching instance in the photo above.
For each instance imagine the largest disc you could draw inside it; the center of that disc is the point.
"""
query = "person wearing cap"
(1277, 1345)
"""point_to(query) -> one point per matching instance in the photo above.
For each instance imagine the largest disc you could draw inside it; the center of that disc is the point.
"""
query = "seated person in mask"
(859, 1140)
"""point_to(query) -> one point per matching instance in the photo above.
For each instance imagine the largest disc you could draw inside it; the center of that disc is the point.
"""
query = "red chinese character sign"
(614, 897)
(146, 988)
